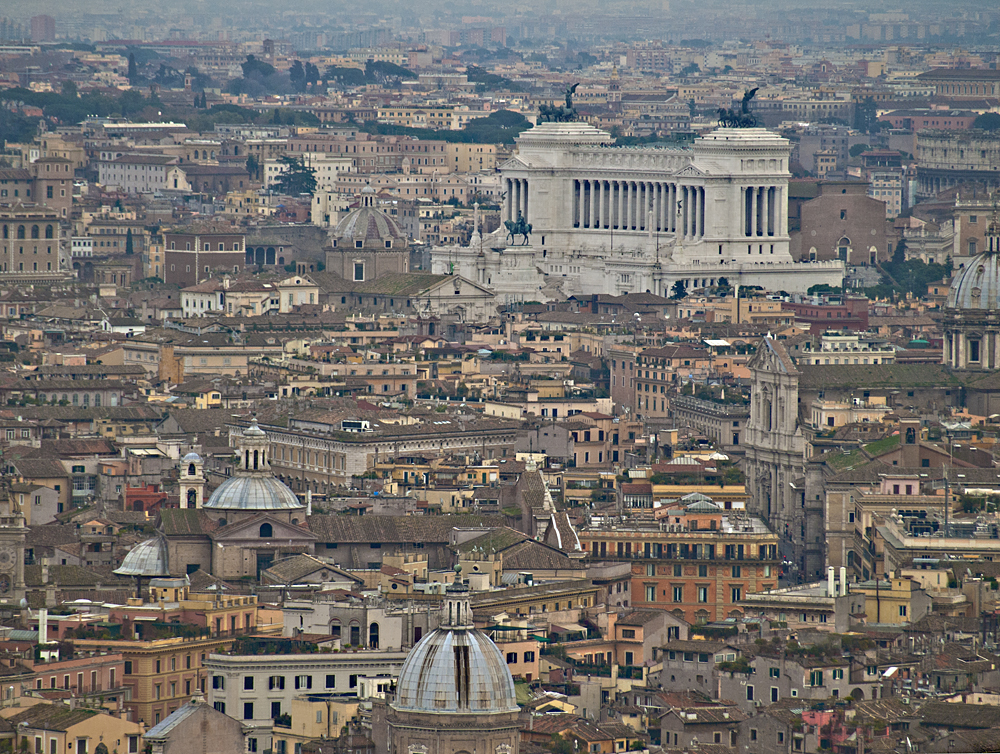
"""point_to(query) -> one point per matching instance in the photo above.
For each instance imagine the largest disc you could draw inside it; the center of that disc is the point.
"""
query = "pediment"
(690, 171)
(514, 163)
(250, 529)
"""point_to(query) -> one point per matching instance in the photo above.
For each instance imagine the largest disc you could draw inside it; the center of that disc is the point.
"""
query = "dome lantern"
(253, 486)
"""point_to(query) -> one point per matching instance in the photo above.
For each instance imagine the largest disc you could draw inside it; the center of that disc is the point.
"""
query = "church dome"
(147, 558)
(253, 493)
(368, 223)
(977, 286)
(455, 668)
(253, 487)
(191, 457)
(427, 681)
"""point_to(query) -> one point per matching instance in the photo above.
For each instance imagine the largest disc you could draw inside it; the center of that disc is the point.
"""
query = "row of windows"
(206, 247)
(278, 682)
(35, 230)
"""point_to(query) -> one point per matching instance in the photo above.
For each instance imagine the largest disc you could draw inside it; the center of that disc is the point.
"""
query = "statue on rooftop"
(556, 114)
(731, 118)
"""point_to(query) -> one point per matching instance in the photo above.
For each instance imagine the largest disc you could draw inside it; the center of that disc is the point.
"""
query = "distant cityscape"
(464, 379)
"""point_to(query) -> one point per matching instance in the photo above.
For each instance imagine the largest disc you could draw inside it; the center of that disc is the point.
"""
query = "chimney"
(830, 589)
(843, 580)
(309, 502)
(43, 626)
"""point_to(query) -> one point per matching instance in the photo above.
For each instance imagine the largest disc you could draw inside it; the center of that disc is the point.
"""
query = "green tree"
(133, 72)
(821, 288)
(69, 89)
(128, 243)
(253, 165)
(312, 74)
(297, 75)
(679, 291)
(381, 72)
(557, 745)
(296, 178)
(345, 76)
(899, 253)
(858, 149)
(253, 66)
(131, 102)
(987, 122)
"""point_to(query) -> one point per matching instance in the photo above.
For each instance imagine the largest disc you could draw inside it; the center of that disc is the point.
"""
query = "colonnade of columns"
(761, 210)
(516, 199)
(627, 205)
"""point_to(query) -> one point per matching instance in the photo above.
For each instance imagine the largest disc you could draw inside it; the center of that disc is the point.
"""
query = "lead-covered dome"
(253, 493)
(149, 558)
(253, 487)
(368, 224)
(977, 285)
(427, 682)
(456, 667)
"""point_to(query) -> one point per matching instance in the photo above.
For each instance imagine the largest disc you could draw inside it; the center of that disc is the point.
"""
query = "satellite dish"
(24, 602)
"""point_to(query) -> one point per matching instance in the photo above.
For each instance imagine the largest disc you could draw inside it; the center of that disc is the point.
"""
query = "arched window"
(191, 470)
(48, 231)
(34, 231)
(266, 531)
(255, 459)
(20, 231)
(192, 498)
(373, 636)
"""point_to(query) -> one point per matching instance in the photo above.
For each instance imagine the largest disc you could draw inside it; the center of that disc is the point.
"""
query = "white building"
(328, 207)
(622, 220)
(81, 246)
(326, 168)
(258, 688)
(203, 299)
(136, 173)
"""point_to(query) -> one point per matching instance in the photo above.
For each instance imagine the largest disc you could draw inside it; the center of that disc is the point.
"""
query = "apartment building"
(256, 688)
(698, 562)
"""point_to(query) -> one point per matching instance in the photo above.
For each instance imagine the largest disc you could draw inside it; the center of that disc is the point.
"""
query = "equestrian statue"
(519, 227)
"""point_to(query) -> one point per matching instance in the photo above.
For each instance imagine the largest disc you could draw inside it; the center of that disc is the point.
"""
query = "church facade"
(775, 460)
(616, 220)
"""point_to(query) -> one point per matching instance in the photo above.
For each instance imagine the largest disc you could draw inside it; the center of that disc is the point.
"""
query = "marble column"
(600, 205)
(579, 204)
(765, 211)
(753, 211)
(524, 198)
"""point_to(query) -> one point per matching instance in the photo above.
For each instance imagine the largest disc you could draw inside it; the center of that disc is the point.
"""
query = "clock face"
(6, 557)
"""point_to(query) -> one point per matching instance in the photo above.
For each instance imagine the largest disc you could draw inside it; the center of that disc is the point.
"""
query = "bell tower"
(192, 481)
